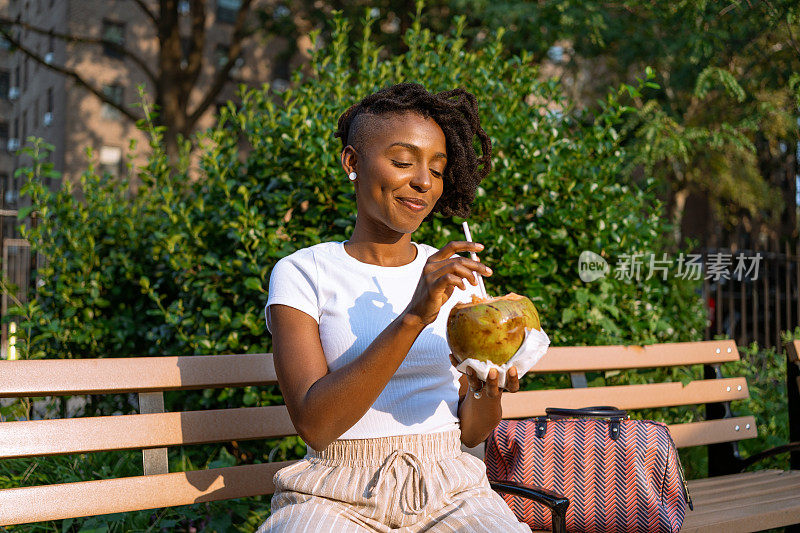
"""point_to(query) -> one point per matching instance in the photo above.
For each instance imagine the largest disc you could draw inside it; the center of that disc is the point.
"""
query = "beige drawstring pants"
(403, 484)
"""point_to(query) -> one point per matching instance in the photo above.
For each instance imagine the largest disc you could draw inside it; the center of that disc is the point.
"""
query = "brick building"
(38, 101)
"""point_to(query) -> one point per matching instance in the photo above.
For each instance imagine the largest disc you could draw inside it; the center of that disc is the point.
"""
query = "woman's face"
(400, 170)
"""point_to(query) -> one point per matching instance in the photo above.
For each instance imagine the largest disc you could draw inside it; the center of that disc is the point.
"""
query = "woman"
(359, 336)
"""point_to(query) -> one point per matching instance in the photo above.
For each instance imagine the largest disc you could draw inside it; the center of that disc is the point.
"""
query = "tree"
(721, 131)
(176, 71)
(395, 17)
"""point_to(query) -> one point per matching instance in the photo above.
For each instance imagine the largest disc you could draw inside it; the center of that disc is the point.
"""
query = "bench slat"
(710, 483)
(533, 403)
(685, 435)
(713, 431)
(745, 510)
(89, 498)
(747, 517)
(746, 491)
(51, 377)
(599, 358)
(126, 432)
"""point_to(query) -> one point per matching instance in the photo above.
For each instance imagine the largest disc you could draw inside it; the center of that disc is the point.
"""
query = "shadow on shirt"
(423, 381)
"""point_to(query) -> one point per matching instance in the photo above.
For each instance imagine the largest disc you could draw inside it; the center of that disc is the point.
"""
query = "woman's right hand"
(440, 276)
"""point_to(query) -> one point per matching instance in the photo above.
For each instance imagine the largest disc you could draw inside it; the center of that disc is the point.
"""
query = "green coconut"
(490, 329)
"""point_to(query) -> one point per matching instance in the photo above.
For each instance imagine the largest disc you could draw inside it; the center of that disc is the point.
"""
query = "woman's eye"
(404, 165)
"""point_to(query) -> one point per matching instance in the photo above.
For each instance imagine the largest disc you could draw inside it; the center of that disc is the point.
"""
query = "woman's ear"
(349, 159)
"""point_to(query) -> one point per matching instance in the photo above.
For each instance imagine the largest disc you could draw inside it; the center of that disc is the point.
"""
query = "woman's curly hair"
(456, 112)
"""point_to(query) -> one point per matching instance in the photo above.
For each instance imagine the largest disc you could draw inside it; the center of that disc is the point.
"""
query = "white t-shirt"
(353, 302)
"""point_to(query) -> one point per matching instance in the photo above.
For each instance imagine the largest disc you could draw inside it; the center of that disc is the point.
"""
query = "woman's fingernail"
(479, 246)
(488, 271)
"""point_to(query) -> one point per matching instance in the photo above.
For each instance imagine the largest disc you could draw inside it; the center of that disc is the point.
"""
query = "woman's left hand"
(490, 388)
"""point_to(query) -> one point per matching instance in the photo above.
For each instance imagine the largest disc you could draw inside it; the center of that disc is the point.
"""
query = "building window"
(221, 55)
(227, 10)
(5, 83)
(186, 43)
(36, 113)
(111, 160)
(50, 100)
(3, 132)
(113, 32)
(24, 127)
(221, 59)
(113, 93)
(7, 185)
(51, 47)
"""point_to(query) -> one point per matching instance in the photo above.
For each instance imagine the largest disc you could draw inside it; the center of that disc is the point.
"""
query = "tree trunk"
(789, 228)
(698, 221)
(677, 207)
(172, 103)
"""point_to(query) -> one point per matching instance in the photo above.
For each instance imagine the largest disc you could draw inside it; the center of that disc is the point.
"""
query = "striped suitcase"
(620, 475)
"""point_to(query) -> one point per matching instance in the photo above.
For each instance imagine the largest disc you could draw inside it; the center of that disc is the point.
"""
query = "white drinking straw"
(474, 257)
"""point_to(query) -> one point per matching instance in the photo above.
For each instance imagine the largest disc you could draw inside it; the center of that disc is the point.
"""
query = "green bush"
(180, 267)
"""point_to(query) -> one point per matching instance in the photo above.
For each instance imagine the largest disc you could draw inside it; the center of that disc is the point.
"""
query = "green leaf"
(254, 284)
(250, 398)
(224, 459)
(24, 211)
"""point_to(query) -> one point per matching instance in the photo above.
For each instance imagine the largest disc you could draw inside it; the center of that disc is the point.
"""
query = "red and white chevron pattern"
(630, 484)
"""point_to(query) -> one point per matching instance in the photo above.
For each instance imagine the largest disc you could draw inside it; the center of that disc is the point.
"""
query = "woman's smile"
(414, 204)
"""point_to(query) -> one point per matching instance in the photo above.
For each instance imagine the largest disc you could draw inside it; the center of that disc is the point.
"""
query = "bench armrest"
(555, 502)
(753, 459)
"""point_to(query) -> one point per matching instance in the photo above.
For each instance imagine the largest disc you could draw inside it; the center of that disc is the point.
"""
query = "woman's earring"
(352, 176)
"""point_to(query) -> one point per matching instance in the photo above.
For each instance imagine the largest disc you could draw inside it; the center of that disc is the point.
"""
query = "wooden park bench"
(739, 502)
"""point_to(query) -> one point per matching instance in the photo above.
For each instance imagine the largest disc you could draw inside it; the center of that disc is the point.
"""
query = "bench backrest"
(153, 430)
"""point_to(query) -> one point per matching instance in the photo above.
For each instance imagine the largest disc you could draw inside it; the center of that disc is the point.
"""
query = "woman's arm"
(323, 405)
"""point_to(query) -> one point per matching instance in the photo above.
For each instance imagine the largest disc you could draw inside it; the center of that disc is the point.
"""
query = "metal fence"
(16, 271)
(754, 307)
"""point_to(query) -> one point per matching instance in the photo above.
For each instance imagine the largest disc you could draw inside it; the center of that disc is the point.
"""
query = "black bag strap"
(600, 411)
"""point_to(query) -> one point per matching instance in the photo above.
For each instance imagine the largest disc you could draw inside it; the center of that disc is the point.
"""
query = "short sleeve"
(293, 282)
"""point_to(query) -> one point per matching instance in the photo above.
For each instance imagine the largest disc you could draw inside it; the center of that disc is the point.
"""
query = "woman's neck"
(382, 250)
